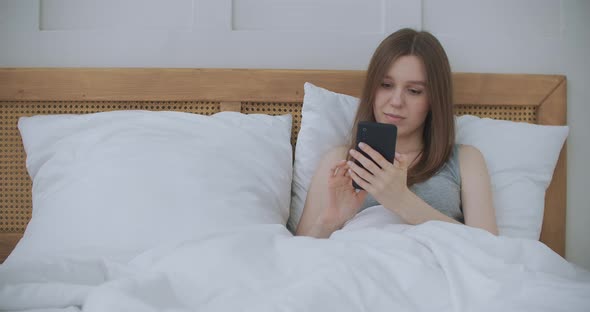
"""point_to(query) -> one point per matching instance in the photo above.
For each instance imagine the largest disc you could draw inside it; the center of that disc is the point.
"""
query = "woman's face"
(401, 98)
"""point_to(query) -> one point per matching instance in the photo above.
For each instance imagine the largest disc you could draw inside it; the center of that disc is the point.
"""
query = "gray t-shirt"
(442, 191)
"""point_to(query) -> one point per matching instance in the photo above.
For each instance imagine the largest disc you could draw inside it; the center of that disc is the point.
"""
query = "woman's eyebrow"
(419, 82)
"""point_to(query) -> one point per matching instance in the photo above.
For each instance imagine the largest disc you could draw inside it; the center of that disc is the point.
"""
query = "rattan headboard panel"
(29, 91)
(526, 114)
(277, 109)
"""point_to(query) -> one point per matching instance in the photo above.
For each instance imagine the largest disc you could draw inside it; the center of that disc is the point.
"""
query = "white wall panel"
(352, 16)
(500, 54)
(213, 15)
(402, 13)
(116, 14)
(19, 15)
(498, 35)
(576, 51)
(537, 18)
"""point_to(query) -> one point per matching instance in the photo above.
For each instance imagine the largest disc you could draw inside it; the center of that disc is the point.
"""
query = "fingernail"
(362, 145)
(397, 154)
(352, 152)
(349, 163)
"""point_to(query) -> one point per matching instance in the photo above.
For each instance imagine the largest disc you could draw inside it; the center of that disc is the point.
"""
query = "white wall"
(510, 36)
(576, 50)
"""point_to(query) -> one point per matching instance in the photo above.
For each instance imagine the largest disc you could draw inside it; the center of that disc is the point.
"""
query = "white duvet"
(367, 266)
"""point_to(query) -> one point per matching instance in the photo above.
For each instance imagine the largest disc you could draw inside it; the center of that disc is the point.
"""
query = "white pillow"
(116, 183)
(520, 173)
(520, 158)
(326, 122)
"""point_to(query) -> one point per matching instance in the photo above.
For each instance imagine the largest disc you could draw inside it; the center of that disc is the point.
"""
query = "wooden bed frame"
(537, 99)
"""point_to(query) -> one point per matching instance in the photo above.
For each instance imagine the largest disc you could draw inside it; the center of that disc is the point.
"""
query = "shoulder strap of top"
(454, 164)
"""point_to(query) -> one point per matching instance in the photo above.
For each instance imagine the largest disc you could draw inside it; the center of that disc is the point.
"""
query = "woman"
(408, 84)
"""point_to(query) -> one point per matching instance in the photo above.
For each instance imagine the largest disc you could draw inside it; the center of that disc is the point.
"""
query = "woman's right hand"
(343, 200)
(331, 200)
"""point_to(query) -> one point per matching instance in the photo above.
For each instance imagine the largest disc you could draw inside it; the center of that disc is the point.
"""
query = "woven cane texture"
(513, 113)
(277, 109)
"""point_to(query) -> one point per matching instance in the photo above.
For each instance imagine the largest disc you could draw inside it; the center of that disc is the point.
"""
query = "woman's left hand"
(386, 181)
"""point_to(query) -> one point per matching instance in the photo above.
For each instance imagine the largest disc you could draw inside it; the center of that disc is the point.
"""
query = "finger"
(376, 156)
(337, 167)
(342, 170)
(366, 162)
(362, 183)
(360, 171)
(338, 164)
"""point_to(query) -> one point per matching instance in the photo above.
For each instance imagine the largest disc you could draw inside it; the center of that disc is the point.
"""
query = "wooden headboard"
(539, 99)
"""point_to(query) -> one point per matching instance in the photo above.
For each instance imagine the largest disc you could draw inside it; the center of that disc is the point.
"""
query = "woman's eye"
(415, 91)
(386, 85)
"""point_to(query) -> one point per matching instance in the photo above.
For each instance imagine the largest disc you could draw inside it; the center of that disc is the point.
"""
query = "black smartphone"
(379, 136)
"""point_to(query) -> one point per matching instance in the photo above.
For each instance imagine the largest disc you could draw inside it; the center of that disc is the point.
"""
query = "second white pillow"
(326, 121)
(521, 157)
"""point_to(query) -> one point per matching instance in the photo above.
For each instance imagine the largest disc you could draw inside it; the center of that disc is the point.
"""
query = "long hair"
(439, 128)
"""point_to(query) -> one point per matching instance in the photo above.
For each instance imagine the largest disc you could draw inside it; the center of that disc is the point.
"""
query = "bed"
(534, 99)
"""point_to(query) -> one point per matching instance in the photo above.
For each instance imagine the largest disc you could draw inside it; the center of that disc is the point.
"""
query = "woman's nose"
(396, 98)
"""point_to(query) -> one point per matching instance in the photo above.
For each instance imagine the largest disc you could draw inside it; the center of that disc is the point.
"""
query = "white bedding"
(381, 267)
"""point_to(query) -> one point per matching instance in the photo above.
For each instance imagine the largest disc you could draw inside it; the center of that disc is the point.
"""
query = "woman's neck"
(409, 144)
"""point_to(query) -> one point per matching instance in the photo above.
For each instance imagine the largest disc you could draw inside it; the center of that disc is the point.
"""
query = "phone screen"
(379, 136)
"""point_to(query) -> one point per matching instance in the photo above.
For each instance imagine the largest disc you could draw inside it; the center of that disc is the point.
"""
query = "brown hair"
(439, 127)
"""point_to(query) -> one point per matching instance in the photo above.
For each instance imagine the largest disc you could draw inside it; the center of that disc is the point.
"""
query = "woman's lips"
(393, 117)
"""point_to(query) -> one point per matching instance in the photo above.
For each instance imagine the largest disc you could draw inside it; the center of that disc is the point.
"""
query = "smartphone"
(379, 136)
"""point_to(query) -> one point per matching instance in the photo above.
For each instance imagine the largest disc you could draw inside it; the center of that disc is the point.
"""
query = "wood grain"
(502, 89)
(7, 243)
(231, 106)
(138, 84)
(553, 111)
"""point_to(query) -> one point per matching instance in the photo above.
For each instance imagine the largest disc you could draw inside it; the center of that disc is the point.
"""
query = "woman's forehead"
(409, 68)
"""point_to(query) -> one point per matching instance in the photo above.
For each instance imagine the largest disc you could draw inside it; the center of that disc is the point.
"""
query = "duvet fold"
(432, 266)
